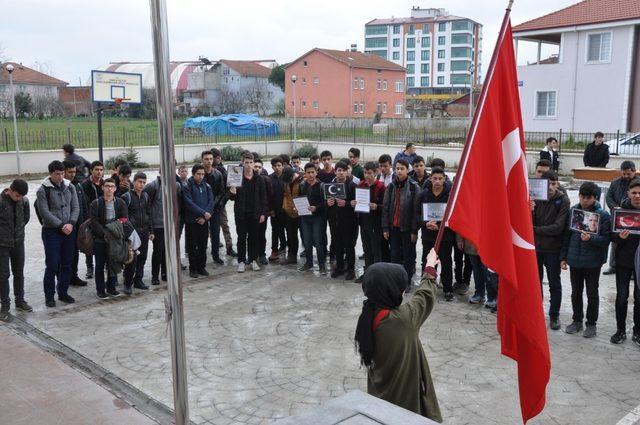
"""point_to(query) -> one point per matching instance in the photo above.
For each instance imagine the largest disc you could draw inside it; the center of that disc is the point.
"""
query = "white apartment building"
(441, 52)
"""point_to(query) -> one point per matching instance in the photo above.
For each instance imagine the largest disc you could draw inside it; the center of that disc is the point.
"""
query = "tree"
(147, 109)
(24, 105)
(229, 102)
(257, 97)
(277, 76)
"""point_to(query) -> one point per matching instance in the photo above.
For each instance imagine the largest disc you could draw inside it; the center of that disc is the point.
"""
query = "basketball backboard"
(108, 86)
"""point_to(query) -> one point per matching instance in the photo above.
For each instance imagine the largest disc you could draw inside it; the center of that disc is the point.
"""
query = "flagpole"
(472, 129)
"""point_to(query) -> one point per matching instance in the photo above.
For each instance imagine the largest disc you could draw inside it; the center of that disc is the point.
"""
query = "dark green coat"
(401, 373)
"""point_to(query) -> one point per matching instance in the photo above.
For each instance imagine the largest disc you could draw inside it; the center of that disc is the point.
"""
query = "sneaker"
(220, 245)
(140, 285)
(619, 337)
(127, 290)
(448, 296)
(359, 279)
(461, 288)
(589, 331)
(50, 303)
(490, 304)
(203, 272)
(361, 257)
(350, 275)
(336, 273)
(102, 295)
(163, 278)
(305, 268)
(476, 299)
(241, 267)
(231, 252)
(155, 281)
(89, 274)
(4, 314)
(76, 281)
(292, 259)
(67, 299)
(636, 339)
(610, 270)
(574, 327)
(255, 267)
(113, 292)
(218, 261)
(322, 269)
(194, 274)
(263, 260)
(554, 324)
(23, 306)
(274, 256)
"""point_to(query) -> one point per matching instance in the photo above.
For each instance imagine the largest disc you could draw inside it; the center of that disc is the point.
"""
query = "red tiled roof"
(360, 60)
(25, 75)
(583, 13)
(247, 68)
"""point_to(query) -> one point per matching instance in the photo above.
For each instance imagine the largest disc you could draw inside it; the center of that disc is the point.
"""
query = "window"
(399, 87)
(411, 55)
(304, 103)
(411, 42)
(396, 42)
(412, 29)
(396, 56)
(411, 68)
(424, 68)
(355, 107)
(304, 80)
(460, 65)
(316, 80)
(424, 81)
(361, 83)
(426, 42)
(442, 40)
(375, 42)
(355, 83)
(545, 104)
(410, 82)
(304, 63)
(442, 26)
(461, 26)
(460, 79)
(384, 85)
(378, 107)
(225, 71)
(384, 108)
(425, 55)
(315, 104)
(461, 39)
(361, 108)
(378, 85)
(461, 52)
(599, 47)
(396, 29)
(398, 108)
(441, 67)
(425, 28)
(375, 30)
(440, 54)
(440, 81)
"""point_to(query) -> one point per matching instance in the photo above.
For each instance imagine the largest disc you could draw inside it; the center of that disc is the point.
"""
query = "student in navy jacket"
(198, 201)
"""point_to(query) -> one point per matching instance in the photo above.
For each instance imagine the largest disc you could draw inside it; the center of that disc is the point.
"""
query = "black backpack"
(47, 190)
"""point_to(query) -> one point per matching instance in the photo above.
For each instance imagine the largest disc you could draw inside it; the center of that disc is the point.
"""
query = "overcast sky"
(70, 37)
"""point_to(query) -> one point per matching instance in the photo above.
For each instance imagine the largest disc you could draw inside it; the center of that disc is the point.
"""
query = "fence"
(356, 133)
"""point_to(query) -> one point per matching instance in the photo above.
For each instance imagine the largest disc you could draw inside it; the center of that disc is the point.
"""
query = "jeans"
(314, 235)
(485, 280)
(278, 225)
(58, 253)
(224, 225)
(197, 237)
(579, 279)
(444, 254)
(102, 262)
(623, 277)
(158, 260)
(402, 249)
(247, 228)
(371, 244)
(292, 225)
(343, 238)
(214, 234)
(463, 266)
(12, 262)
(134, 271)
(551, 262)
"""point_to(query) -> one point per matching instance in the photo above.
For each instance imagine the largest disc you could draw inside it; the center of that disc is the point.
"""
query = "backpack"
(84, 240)
(47, 190)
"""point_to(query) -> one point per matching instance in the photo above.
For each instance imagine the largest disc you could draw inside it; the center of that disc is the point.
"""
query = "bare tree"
(229, 102)
(258, 97)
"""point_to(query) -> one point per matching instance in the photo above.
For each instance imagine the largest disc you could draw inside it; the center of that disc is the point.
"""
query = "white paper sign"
(538, 189)
(302, 205)
(433, 211)
(362, 200)
(234, 175)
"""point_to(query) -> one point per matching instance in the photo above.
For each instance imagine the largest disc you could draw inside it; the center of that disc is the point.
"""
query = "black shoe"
(4, 314)
(336, 273)
(50, 303)
(619, 337)
(322, 269)
(636, 339)
(203, 272)
(140, 285)
(494, 310)
(194, 274)
(67, 299)
(461, 288)
(155, 281)
(89, 274)
(350, 275)
(303, 254)
(231, 252)
(554, 324)
(163, 278)
(610, 270)
(76, 281)
(359, 279)
(102, 295)
(183, 267)
(113, 292)
(127, 290)
(291, 260)
(218, 261)
(23, 306)
(448, 296)
(263, 260)
(305, 268)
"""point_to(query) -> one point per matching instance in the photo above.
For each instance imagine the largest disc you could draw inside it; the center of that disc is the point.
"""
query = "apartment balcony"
(538, 49)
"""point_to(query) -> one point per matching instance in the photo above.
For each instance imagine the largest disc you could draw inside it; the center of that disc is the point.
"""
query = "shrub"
(131, 156)
(231, 153)
(305, 151)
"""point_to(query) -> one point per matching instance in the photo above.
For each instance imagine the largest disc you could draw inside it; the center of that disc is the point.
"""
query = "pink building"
(336, 83)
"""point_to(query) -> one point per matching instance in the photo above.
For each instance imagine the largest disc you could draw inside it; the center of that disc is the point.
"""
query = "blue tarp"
(233, 124)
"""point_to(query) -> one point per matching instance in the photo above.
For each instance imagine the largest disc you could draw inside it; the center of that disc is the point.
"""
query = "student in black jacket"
(313, 228)
(198, 200)
(262, 229)
(596, 154)
(92, 187)
(278, 216)
(70, 173)
(343, 225)
(224, 219)
(216, 180)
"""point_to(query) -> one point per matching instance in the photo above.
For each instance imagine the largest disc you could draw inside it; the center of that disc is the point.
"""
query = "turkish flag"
(490, 207)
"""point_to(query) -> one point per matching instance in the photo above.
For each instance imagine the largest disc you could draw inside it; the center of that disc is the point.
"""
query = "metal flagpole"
(169, 209)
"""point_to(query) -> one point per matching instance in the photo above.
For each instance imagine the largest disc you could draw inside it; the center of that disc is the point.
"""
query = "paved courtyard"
(266, 345)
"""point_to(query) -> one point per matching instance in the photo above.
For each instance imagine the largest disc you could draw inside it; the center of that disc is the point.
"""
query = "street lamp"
(294, 78)
(9, 69)
(471, 69)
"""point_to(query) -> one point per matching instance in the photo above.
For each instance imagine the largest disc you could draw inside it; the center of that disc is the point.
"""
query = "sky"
(68, 38)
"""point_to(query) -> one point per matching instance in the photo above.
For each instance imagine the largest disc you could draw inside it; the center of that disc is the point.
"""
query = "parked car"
(629, 145)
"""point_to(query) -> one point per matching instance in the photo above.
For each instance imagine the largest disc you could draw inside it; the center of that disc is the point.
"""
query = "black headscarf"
(383, 285)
